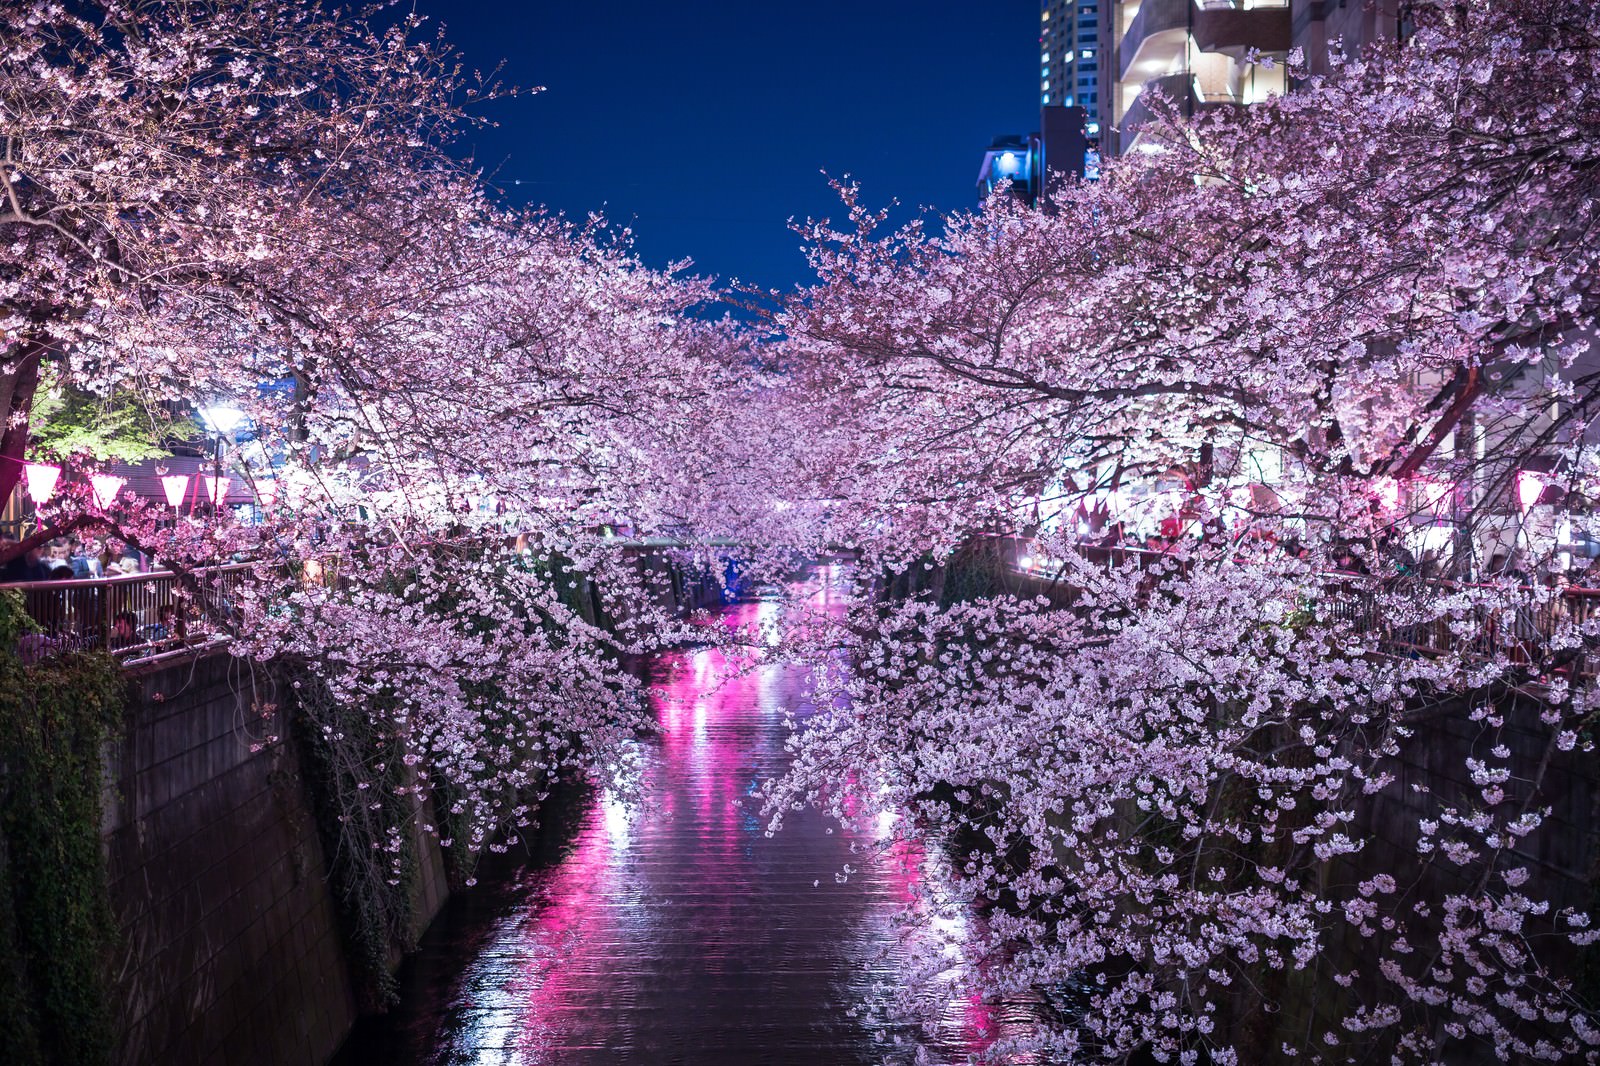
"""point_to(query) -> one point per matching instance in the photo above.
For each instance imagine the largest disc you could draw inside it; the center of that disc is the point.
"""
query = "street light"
(222, 418)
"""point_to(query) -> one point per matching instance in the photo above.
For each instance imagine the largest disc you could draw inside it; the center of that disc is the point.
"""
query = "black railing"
(134, 616)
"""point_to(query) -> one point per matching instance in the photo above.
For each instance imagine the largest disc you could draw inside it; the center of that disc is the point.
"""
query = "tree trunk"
(19, 379)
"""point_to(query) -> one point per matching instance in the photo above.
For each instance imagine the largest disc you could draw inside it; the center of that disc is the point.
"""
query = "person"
(29, 566)
(124, 630)
(86, 559)
(128, 563)
(59, 551)
(13, 568)
(171, 625)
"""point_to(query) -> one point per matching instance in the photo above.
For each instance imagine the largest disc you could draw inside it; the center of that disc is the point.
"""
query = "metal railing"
(133, 616)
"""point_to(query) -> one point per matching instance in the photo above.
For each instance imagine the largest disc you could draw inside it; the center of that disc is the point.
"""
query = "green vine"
(56, 927)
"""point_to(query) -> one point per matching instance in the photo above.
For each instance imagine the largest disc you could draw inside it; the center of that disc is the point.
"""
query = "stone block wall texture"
(229, 947)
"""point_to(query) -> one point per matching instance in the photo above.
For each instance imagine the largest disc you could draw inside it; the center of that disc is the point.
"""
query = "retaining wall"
(229, 948)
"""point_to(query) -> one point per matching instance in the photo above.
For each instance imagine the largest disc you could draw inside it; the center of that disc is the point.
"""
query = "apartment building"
(1199, 52)
(1070, 63)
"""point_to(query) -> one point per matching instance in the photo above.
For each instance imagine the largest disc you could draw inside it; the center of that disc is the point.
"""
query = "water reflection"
(669, 928)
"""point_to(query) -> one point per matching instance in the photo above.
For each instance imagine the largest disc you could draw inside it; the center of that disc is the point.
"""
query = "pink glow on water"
(675, 929)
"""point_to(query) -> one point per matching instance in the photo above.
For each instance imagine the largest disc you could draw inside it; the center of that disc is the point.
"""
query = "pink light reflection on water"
(674, 929)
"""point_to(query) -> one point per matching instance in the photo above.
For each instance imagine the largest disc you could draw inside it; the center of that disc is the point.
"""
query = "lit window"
(1087, 53)
(1046, 98)
(1091, 128)
(1067, 102)
(1045, 84)
(1044, 16)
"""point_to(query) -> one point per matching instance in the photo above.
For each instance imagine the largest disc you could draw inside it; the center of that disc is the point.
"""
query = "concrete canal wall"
(230, 948)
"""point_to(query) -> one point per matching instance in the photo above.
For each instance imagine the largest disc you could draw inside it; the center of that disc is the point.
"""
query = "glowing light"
(1009, 163)
(617, 819)
(176, 486)
(216, 488)
(41, 482)
(106, 487)
(1529, 488)
(1387, 489)
(221, 418)
(1437, 538)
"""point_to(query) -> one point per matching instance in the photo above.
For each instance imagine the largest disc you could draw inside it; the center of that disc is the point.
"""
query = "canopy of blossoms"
(1326, 359)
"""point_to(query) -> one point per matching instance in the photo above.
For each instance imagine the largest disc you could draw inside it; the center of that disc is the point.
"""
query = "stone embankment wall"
(229, 944)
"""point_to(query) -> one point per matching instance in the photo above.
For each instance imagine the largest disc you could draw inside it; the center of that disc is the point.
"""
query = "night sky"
(706, 125)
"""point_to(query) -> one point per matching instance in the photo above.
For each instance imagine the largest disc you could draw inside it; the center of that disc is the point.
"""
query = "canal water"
(669, 929)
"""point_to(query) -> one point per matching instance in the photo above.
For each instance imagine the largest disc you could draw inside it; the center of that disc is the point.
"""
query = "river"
(669, 929)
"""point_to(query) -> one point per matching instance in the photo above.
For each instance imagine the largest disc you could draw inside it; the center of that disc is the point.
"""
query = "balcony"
(1155, 39)
(1232, 30)
(1158, 37)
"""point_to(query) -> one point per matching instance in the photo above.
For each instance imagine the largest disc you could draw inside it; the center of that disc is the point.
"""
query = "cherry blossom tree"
(1290, 340)
(449, 400)
(157, 155)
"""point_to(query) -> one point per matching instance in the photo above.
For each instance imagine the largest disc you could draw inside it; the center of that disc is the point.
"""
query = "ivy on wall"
(56, 928)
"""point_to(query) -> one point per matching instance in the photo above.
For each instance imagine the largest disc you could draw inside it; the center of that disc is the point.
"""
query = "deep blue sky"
(706, 125)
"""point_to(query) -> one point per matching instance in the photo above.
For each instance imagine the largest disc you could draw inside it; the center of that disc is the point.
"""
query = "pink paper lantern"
(106, 487)
(176, 486)
(41, 481)
(216, 488)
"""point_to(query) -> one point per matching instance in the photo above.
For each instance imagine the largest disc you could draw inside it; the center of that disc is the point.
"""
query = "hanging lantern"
(41, 482)
(176, 486)
(106, 487)
(216, 488)
(1529, 488)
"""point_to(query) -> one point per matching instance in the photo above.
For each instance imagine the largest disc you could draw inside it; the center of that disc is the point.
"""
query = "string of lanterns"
(42, 478)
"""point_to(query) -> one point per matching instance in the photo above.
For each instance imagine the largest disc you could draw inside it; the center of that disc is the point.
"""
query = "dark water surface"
(671, 929)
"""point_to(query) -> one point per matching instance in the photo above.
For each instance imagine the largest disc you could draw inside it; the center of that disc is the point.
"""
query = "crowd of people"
(68, 558)
(126, 618)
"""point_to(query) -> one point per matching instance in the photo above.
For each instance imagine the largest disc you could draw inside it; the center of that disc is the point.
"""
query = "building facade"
(1200, 53)
(1070, 63)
